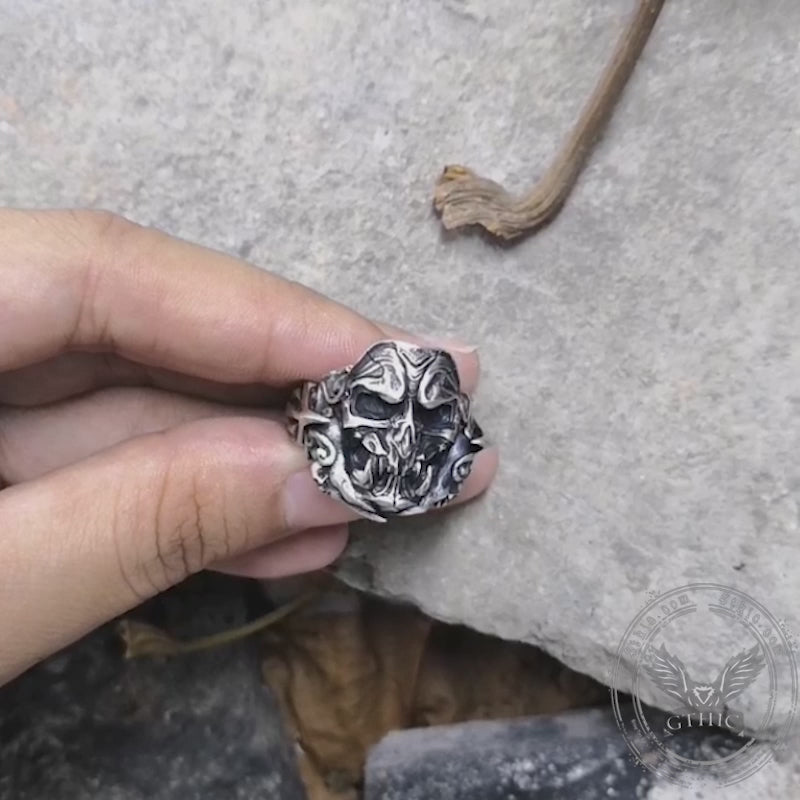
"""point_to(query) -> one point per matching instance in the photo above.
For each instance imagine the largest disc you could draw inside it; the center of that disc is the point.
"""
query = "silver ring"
(391, 435)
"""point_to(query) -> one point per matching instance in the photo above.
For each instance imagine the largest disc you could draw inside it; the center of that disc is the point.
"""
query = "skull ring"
(391, 435)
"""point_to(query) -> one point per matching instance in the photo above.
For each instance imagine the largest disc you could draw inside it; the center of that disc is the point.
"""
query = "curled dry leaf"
(354, 668)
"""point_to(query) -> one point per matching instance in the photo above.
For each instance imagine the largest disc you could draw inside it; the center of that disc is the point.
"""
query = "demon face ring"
(391, 435)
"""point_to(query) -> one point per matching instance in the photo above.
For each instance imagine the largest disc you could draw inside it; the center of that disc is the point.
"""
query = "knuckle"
(176, 507)
(299, 324)
(190, 527)
(99, 228)
(132, 572)
(106, 238)
(84, 233)
(105, 241)
(72, 234)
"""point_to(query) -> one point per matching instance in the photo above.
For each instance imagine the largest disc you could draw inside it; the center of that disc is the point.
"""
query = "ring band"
(391, 435)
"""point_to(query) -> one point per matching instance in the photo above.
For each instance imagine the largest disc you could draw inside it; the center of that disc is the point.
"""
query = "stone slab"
(641, 373)
(577, 755)
(87, 725)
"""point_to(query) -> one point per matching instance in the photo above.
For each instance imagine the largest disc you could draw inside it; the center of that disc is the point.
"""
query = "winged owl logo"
(669, 674)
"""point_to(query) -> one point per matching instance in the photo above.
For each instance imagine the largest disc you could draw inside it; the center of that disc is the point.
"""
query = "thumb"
(87, 542)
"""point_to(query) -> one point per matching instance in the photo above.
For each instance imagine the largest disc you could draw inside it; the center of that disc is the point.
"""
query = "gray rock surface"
(641, 372)
(574, 756)
(577, 755)
(87, 725)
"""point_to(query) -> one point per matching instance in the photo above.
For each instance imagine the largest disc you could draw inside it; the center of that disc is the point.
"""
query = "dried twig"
(464, 198)
(142, 639)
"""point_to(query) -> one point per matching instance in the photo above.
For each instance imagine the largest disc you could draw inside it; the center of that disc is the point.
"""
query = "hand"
(137, 441)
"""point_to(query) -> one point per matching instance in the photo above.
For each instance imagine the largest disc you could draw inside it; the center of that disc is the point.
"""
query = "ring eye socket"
(372, 406)
(359, 457)
(437, 417)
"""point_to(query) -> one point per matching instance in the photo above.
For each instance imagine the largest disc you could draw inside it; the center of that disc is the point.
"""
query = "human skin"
(141, 436)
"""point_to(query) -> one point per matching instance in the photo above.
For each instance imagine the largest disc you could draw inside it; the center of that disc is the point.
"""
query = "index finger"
(88, 280)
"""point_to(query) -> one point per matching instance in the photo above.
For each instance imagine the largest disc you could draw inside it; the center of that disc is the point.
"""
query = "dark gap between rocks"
(362, 698)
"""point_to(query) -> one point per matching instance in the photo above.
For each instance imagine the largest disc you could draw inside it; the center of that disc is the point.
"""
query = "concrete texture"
(87, 725)
(641, 366)
(577, 755)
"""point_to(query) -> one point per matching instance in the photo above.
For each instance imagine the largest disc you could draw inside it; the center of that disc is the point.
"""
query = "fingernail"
(450, 344)
(306, 506)
(443, 343)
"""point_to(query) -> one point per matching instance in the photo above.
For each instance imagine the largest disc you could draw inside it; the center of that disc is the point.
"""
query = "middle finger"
(34, 441)
(75, 373)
